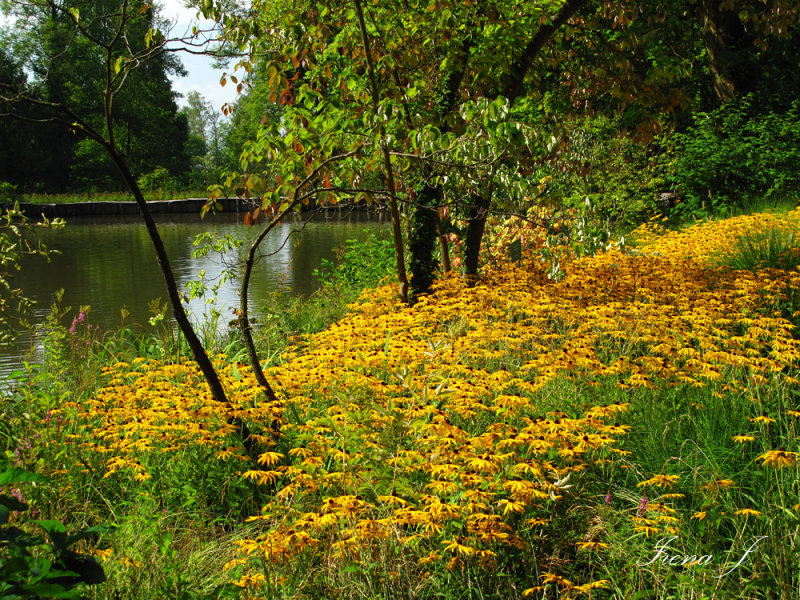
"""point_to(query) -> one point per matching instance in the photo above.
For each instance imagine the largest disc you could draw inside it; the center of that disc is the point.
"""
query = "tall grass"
(772, 248)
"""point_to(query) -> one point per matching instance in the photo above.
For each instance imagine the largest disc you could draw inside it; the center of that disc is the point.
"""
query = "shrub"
(32, 566)
(360, 264)
(160, 179)
(733, 154)
(8, 192)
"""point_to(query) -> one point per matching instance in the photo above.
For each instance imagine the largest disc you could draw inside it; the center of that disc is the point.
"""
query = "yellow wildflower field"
(416, 440)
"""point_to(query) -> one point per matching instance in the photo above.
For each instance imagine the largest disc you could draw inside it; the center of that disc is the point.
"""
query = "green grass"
(774, 248)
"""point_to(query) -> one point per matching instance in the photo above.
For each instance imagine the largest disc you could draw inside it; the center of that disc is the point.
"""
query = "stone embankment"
(111, 209)
(161, 207)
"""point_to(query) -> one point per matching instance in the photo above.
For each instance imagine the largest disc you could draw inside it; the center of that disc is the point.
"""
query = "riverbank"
(179, 206)
(518, 438)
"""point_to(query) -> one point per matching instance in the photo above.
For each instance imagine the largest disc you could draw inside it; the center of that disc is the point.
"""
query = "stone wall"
(108, 209)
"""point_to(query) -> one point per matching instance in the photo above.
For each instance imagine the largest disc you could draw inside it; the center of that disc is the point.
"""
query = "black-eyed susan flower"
(660, 480)
(747, 512)
(762, 418)
(779, 458)
(591, 546)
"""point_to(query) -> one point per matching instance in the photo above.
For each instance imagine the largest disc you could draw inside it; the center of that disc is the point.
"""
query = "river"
(109, 263)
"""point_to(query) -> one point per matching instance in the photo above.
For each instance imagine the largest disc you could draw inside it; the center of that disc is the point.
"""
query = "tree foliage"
(71, 69)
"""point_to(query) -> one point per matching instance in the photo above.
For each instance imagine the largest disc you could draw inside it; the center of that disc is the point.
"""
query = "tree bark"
(196, 346)
(512, 89)
(422, 239)
(727, 44)
(475, 228)
(397, 231)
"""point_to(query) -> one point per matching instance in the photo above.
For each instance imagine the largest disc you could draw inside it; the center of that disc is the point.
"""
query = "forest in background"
(638, 106)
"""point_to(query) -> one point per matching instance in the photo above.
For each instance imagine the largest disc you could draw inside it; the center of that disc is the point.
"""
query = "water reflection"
(109, 264)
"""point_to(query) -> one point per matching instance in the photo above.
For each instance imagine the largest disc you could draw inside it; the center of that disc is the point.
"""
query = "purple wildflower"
(642, 506)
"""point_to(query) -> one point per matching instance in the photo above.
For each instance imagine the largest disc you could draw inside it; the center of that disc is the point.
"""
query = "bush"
(599, 158)
(733, 154)
(160, 179)
(32, 566)
(8, 192)
(360, 264)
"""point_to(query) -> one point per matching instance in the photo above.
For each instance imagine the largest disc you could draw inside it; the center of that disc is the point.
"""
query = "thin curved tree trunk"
(196, 346)
(397, 231)
(245, 326)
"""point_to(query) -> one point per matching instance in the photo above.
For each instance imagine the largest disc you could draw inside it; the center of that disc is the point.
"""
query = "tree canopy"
(65, 68)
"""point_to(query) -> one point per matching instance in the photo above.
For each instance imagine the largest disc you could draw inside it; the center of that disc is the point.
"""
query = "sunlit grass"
(773, 248)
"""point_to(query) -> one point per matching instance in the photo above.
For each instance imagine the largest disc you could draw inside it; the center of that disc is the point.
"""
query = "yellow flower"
(646, 529)
(747, 512)
(762, 418)
(718, 484)
(699, 515)
(671, 496)
(660, 480)
(779, 458)
(741, 439)
(456, 547)
(591, 546)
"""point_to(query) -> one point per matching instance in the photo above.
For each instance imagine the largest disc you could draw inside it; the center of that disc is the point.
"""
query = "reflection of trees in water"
(108, 264)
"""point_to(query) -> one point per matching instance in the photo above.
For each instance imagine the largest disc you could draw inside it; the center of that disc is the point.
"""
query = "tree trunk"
(443, 246)
(397, 231)
(244, 316)
(728, 45)
(422, 239)
(196, 346)
(475, 227)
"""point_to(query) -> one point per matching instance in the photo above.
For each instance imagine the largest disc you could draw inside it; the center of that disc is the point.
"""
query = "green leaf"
(12, 503)
(18, 475)
(90, 532)
(56, 531)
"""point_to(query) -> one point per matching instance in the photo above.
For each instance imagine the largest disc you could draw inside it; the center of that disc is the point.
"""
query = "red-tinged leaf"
(248, 219)
(256, 214)
(223, 80)
(239, 88)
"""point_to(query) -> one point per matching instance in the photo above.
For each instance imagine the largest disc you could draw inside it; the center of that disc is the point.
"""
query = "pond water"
(109, 264)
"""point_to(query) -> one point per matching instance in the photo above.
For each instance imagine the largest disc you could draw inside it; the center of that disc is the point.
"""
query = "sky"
(202, 77)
